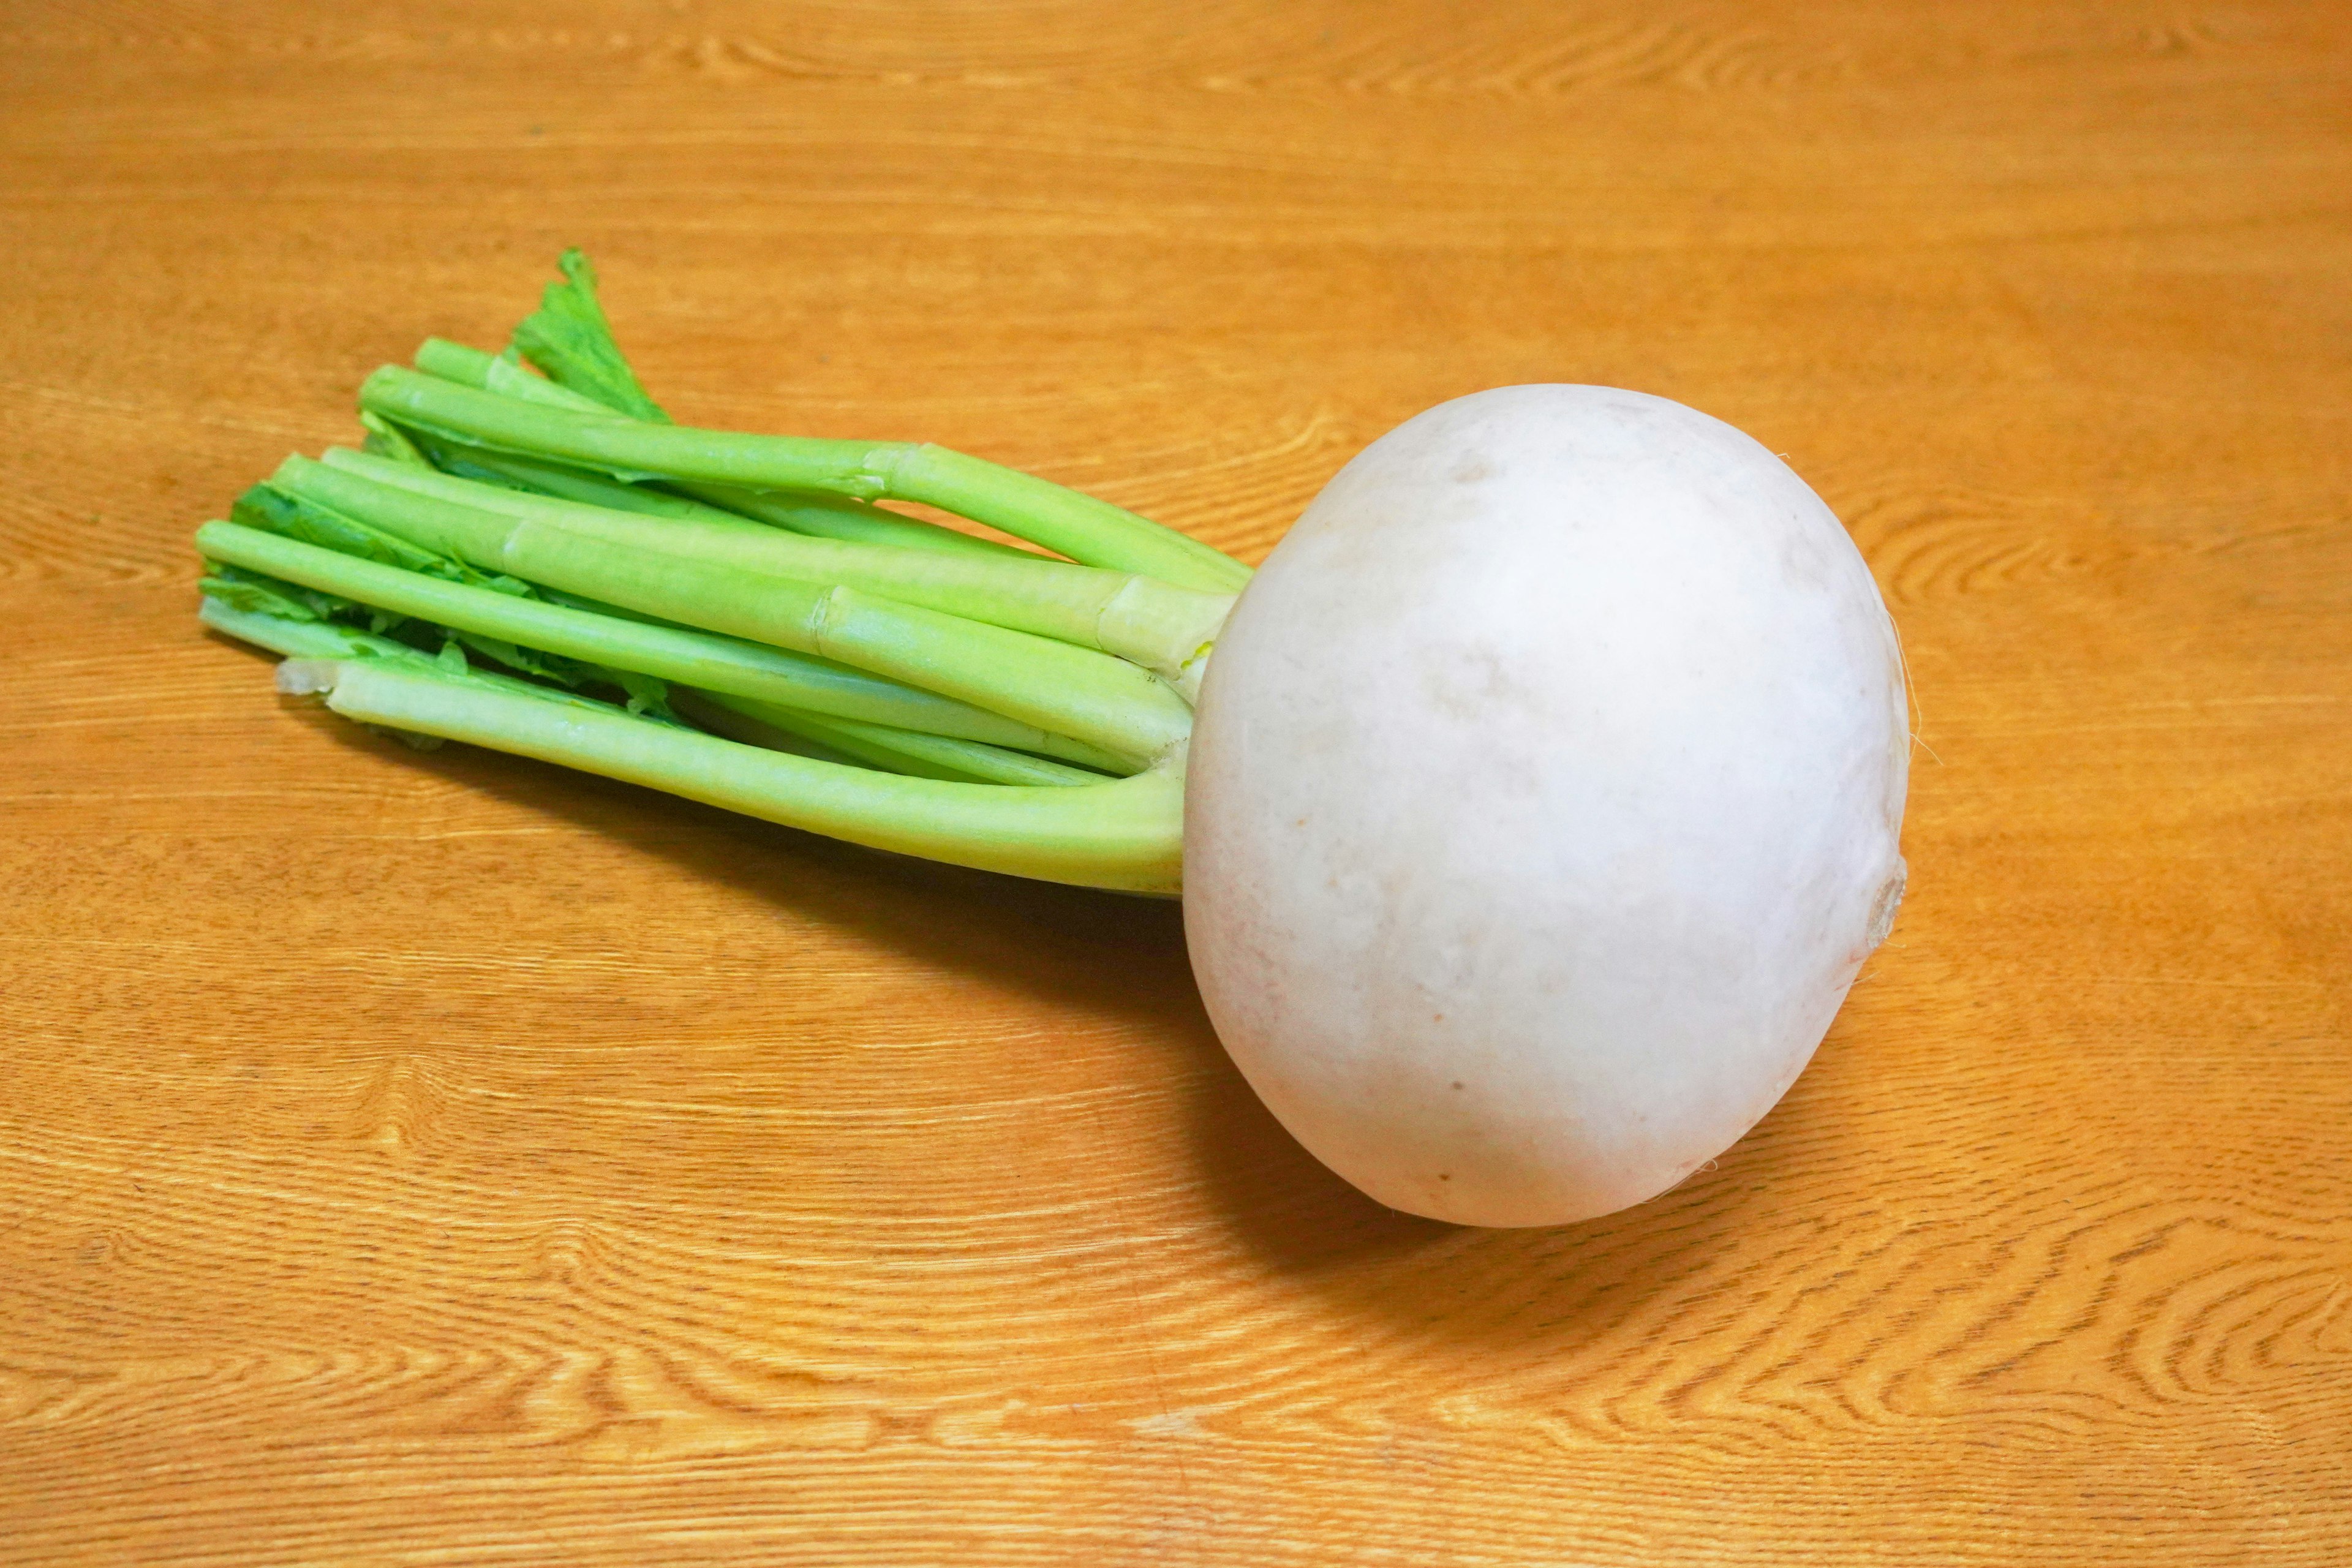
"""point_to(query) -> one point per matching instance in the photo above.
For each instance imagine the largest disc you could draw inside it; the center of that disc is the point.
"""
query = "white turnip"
(1533, 813)
(1543, 802)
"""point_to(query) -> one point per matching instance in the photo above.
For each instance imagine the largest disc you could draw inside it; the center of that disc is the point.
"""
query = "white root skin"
(1544, 801)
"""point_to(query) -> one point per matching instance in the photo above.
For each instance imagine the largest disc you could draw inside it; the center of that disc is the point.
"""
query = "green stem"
(838, 517)
(326, 640)
(473, 367)
(878, 745)
(822, 516)
(1078, 526)
(1139, 619)
(1126, 833)
(690, 657)
(1093, 697)
(300, 639)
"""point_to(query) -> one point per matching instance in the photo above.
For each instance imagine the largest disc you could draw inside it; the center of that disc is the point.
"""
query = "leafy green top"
(569, 338)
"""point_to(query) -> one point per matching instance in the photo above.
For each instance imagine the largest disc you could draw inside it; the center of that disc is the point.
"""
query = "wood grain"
(415, 1160)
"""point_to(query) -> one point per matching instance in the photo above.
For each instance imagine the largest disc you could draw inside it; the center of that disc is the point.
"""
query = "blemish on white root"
(1882, 908)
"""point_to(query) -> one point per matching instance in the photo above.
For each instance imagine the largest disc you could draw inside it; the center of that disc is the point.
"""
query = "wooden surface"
(442, 1159)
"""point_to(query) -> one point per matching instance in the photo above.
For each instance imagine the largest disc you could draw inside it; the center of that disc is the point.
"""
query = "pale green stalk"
(300, 639)
(740, 718)
(878, 745)
(1090, 696)
(327, 640)
(1125, 834)
(719, 664)
(838, 517)
(774, 598)
(1139, 619)
(822, 516)
(1085, 530)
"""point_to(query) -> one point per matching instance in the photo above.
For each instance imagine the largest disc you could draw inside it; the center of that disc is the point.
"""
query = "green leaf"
(527, 661)
(279, 511)
(569, 338)
(252, 591)
(253, 594)
(386, 439)
(646, 695)
(257, 594)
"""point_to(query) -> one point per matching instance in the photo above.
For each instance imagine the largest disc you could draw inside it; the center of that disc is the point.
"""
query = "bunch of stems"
(528, 556)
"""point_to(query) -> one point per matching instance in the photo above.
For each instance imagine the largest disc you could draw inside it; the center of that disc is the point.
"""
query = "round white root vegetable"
(1542, 803)
(1543, 793)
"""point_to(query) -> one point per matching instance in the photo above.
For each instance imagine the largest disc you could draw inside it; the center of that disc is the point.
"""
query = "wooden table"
(444, 1160)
